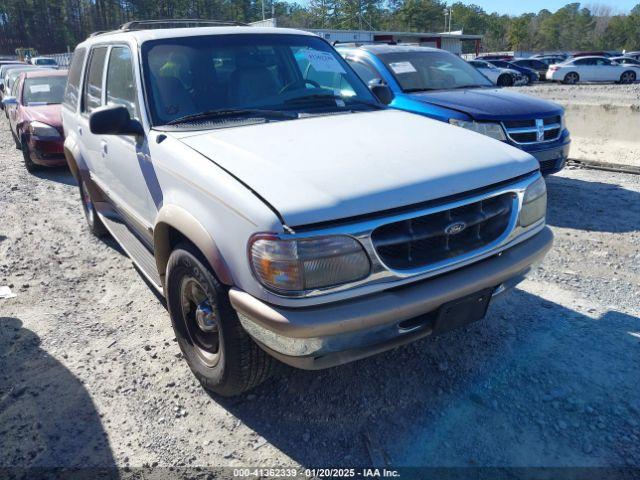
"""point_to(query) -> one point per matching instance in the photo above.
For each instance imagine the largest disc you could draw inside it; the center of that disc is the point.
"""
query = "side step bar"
(135, 249)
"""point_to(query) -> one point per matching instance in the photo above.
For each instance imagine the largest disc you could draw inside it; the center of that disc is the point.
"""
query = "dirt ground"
(91, 375)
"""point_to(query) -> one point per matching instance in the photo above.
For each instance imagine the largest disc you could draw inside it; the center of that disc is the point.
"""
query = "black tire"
(26, 155)
(96, 227)
(571, 78)
(235, 363)
(505, 80)
(628, 77)
(16, 140)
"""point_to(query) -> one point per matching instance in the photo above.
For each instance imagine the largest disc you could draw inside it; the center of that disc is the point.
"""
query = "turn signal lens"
(294, 266)
(534, 203)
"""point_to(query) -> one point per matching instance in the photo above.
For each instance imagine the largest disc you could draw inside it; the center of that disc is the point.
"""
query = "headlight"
(534, 203)
(490, 129)
(294, 266)
(40, 129)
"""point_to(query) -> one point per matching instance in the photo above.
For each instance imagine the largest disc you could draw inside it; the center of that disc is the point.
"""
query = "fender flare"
(74, 159)
(177, 218)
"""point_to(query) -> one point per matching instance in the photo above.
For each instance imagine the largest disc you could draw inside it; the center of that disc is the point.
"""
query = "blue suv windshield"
(417, 71)
(191, 77)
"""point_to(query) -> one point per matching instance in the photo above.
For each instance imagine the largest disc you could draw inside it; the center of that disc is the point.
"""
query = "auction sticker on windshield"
(44, 88)
(403, 67)
(324, 62)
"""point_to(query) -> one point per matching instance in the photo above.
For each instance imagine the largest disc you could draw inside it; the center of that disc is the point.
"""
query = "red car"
(33, 108)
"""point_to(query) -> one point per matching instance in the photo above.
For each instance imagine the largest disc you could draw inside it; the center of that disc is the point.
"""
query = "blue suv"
(440, 85)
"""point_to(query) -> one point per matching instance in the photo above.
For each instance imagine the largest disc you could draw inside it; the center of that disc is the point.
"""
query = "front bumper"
(552, 157)
(332, 334)
(47, 152)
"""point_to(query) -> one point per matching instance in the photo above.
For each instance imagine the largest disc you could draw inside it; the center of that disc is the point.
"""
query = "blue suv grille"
(535, 130)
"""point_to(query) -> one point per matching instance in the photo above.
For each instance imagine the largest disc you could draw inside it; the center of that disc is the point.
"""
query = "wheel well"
(168, 237)
(73, 166)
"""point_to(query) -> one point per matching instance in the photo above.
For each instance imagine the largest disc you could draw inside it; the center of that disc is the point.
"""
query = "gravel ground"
(591, 94)
(91, 375)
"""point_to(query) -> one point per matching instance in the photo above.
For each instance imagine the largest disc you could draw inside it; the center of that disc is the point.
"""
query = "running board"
(135, 249)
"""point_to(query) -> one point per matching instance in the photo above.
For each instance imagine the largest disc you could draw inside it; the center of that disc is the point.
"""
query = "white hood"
(326, 168)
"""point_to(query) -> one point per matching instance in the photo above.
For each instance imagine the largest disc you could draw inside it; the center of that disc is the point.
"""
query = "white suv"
(280, 207)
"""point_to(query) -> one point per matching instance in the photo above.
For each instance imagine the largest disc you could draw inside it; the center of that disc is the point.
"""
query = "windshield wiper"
(232, 113)
(323, 96)
(468, 86)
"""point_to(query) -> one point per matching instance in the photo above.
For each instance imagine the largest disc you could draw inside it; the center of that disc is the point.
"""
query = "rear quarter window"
(72, 91)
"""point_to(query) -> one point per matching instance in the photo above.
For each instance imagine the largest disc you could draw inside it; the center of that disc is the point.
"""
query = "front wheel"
(571, 78)
(505, 80)
(628, 77)
(26, 155)
(94, 223)
(219, 352)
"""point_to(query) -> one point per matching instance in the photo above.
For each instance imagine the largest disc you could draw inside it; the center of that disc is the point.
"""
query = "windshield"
(43, 90)
(432, 70)
(226, 73)
(45, 61)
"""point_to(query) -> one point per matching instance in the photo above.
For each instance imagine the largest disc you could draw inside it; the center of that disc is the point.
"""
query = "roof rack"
(178, 23)
(364, 42)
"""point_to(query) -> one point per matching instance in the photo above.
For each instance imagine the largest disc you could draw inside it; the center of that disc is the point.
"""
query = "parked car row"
(571, 69)
(32, 99)
(297, 203)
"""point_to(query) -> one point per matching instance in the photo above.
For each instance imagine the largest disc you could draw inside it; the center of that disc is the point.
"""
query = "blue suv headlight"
(490, 129)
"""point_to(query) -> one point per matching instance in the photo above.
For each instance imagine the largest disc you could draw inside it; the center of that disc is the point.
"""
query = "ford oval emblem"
(455, 228)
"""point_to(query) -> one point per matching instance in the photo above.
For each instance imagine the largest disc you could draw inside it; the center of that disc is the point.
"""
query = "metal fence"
(63, 59)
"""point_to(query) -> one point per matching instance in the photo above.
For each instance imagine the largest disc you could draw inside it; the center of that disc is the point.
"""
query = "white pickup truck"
(280, 207)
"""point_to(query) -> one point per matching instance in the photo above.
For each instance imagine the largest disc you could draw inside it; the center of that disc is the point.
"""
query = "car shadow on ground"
(594, 206)
(47, 417)
(56, 174)
(529, 385)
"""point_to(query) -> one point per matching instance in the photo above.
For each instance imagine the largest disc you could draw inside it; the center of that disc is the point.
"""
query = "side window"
(15, 88)
(121, 87)
(365, 71)
(583, 61)
(602, 61)
(92, 95)
(71, 93)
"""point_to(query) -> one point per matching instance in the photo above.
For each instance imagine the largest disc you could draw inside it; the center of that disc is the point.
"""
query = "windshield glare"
(43, 90)
(432, 70)
(187, 76)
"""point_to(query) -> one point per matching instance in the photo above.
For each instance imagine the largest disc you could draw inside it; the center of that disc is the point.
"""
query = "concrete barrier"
(605, 133)
(610, 122)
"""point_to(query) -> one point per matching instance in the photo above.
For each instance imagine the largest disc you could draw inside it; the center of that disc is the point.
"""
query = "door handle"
(104, 149)
(80, 130)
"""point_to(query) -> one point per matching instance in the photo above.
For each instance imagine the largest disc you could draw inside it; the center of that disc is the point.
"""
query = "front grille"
(527, 131)
(430, 239)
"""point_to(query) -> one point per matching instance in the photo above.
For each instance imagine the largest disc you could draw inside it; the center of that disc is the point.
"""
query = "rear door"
(91, 99)
(586, 69)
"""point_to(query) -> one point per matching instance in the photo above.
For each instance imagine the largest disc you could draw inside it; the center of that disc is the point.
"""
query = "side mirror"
(114, 120)
(6, 101)
(1, 87)
(383, 92)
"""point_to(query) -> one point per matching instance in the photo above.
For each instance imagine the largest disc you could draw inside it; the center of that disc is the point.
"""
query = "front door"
(127, 174)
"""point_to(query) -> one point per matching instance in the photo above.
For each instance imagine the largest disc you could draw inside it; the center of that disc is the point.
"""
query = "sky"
(517, 7)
